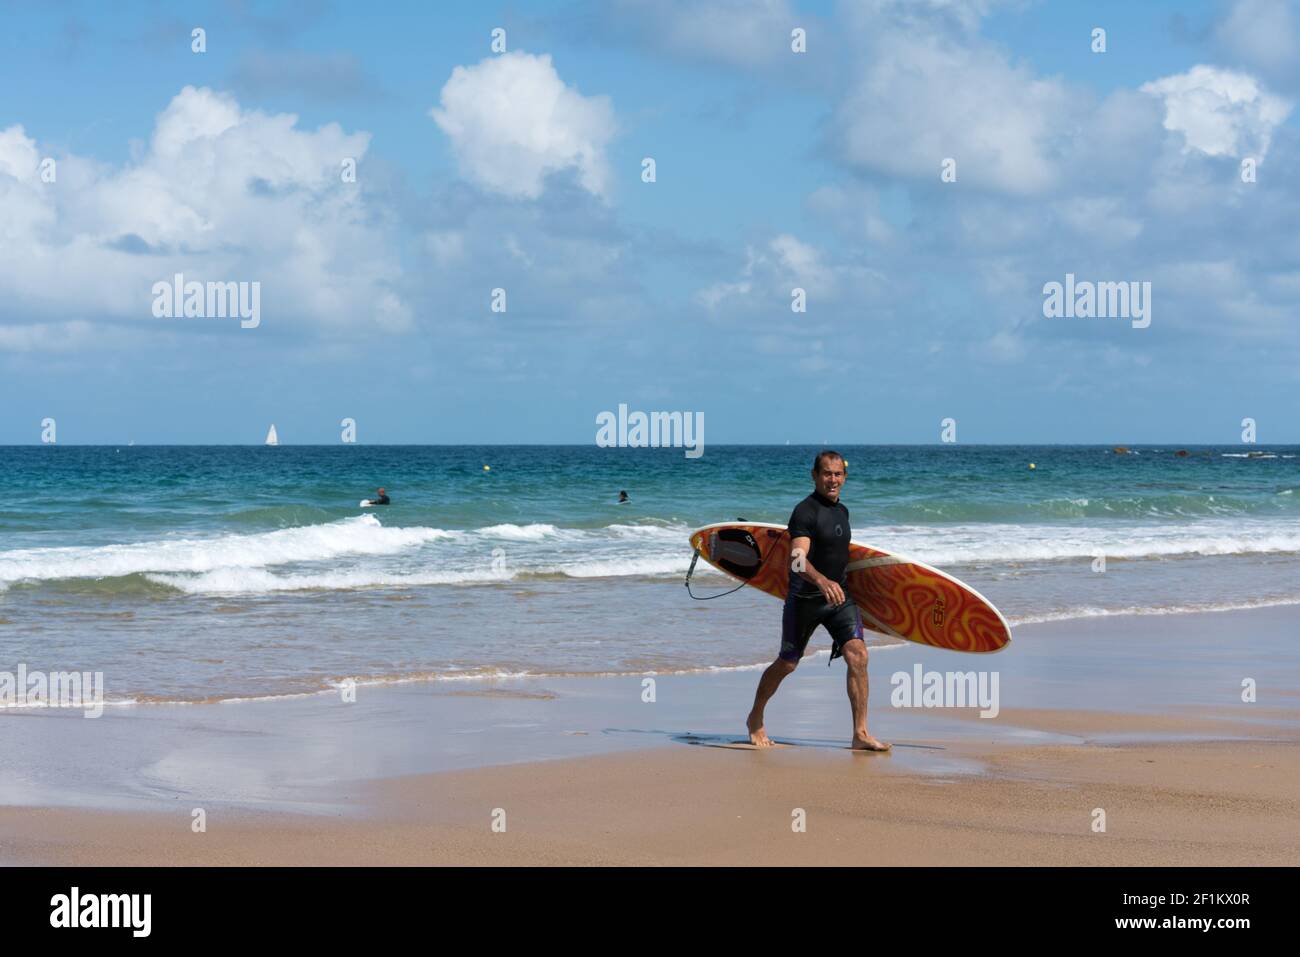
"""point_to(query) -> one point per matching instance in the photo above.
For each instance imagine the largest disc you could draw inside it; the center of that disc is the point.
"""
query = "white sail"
(271, 437)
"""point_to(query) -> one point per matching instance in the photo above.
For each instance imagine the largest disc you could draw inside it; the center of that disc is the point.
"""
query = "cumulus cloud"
(512, 122)
(922, 97)
(219, 194)
(1220, 112)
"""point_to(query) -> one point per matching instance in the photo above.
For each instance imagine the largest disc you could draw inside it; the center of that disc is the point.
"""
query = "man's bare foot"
(865, 742)
(757, 736)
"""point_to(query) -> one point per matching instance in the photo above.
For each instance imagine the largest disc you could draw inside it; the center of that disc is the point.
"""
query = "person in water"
(622, 497)
(381, 500)
(819, 548)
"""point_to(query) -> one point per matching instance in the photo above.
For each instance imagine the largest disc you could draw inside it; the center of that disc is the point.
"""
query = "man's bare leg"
(776, 673)
(855, 656)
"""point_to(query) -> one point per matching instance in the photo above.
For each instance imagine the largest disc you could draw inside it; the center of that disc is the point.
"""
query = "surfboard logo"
(937, 615)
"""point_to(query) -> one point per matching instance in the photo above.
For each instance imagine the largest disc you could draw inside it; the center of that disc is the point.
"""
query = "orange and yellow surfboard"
(897, 596)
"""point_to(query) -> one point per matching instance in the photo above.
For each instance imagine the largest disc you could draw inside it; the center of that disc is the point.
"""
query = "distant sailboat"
(271, 437)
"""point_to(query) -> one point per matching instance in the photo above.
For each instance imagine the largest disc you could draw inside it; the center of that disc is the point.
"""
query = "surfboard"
(897, 596)
(366, 503)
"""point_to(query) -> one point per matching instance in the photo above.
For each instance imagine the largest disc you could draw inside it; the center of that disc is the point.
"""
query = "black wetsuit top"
(382, 500)
(826, 525)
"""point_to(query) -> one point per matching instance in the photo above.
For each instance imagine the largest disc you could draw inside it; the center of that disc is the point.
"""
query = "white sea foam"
(520, 533)
(255, 581)
(660, 565)
(1069, 614)
(361, 553)
(663, 533)
(971, 544)
(359, 536)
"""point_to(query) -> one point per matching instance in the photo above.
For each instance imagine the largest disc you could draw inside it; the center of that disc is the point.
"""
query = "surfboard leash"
(691, 571)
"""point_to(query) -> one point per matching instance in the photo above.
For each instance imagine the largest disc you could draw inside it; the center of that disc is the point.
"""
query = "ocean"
(206, 573)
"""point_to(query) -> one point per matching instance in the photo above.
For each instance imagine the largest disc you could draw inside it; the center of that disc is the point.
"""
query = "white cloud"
(801, 263)
(923, 97)
(512, 121)
(220, 193)
(1220, 112)
(784, 262)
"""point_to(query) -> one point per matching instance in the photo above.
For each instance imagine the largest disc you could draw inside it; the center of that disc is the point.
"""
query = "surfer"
(819, 546)
(381, 500)
(622, 497)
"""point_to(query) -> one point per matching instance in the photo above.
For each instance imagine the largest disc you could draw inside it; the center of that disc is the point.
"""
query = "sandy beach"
(1167, 804)
(430, 434)
(585, 771)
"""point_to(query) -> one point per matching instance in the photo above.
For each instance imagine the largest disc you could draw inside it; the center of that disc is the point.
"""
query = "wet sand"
(1139, 718)
(1167, 804)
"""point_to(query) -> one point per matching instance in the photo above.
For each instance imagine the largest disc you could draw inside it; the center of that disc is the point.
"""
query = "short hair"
(827, 454)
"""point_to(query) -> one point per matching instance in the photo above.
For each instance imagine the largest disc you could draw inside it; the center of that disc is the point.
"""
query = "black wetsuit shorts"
(802, 615)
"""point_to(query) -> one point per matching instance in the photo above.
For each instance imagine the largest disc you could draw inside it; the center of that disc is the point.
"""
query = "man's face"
(829, 477)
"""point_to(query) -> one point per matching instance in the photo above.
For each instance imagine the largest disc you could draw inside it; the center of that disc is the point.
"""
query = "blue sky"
(775, 170)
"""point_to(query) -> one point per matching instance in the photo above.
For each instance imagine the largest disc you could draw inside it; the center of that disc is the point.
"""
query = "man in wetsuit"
(819, 549)
(381, 500)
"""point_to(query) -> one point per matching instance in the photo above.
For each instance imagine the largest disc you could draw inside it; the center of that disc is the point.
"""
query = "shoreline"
(493, 677)
(1146, 723)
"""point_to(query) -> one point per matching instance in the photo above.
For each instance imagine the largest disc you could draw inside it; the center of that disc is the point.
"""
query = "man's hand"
(831, 591)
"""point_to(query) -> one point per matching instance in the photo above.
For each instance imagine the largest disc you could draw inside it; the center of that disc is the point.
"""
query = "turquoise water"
(192, 573)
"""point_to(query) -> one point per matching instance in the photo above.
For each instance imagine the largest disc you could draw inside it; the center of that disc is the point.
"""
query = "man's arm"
(800, 565)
